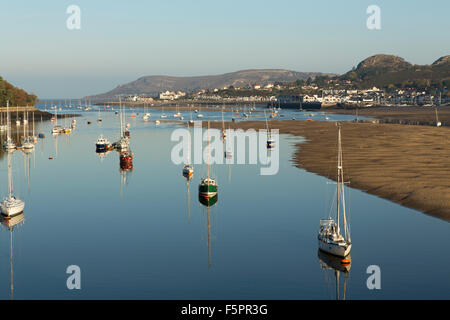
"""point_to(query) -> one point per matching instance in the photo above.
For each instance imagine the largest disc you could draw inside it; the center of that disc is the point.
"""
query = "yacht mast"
(339, 169)
(267, 125)
(10, 184)
(120, 117)
(341, 189)
(188, 158)
(209, 154)
(8, 122)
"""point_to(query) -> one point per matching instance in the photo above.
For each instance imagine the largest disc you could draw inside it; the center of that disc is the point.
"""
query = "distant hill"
(16, 96)
(155, 84)
(387, 70)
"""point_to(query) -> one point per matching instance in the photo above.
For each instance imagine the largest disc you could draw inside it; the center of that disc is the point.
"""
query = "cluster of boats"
(11, 205)
(334, 233)
(26, 144)
(57, 129)
(122, 146)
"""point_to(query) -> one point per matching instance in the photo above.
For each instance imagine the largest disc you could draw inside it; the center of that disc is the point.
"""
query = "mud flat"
(409, 165)
(402, 115)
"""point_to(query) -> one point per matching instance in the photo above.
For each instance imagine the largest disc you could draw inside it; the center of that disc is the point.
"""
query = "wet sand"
(409, 165)
(405, 115)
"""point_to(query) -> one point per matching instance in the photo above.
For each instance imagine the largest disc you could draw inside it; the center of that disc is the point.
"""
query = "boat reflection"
(208, 202)
(10, 224)
(126, 161)
(337, 265)
(102, 155)
(188, 192)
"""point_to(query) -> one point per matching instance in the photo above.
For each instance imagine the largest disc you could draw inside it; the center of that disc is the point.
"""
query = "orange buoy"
(50, 158)
(346, 261)
(7, 218)
(309, 119)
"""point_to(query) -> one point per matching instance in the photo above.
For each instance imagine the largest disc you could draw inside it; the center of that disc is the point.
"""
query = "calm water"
(139, 236)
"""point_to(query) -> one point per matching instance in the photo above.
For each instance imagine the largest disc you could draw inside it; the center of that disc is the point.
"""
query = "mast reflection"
(10, 223)
(337, 265)
(209, 203)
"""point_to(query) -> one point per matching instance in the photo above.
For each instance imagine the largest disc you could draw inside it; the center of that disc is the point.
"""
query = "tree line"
(16, 96)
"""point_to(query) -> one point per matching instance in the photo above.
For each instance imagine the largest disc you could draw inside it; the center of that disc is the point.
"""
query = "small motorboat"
(188, 171)
(102, 144)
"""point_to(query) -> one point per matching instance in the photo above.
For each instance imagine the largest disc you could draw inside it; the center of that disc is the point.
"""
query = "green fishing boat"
(208, 186)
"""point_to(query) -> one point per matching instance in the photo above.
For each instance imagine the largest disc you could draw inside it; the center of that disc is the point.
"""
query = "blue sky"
(120, 41)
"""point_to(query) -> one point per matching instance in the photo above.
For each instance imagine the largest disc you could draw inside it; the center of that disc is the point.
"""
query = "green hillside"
(387, 71)
(16, 96)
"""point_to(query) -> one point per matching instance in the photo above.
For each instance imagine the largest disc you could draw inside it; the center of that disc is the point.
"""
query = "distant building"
(171, 95)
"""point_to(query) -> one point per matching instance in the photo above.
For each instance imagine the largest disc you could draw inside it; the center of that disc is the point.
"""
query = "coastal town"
(271, 93)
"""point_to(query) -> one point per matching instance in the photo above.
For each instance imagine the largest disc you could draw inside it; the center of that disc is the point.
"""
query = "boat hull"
(208, 202)
(12, 207)
(335, 249)
(207, 190)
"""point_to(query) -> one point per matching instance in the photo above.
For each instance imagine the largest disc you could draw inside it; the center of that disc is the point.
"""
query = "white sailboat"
(11, 205)
(27, 144)
(8, 145)
(270, 141)
(438, 123)
(56, 128)
(223, 133)
(99, 119)
(178, 114)
(146, 115)
(17, 116)
(330, 238)
(3, 127)
(123, 144)
(188, 169)
(199, 114)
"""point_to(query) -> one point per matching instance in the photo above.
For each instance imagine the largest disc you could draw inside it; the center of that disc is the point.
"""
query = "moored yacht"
(270, 141)
(330, 237)
(8, 144)
(28, 144)
(208, 186)
(11, 206)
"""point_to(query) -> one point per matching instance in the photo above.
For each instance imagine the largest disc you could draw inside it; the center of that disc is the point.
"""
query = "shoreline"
(410, 115)
(404, 164)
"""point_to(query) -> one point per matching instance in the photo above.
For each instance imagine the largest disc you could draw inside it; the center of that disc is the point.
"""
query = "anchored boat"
(208, 186)
(330, 238)
(102, 144)
(8, 145)
(11, 205)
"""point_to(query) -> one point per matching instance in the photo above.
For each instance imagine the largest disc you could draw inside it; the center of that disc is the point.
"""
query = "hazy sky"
(120, 41)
